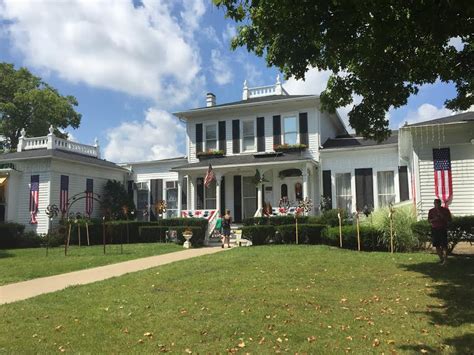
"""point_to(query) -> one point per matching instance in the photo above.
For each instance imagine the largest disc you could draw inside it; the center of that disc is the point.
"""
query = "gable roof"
(458, 118)
(59, 154)
(353, 141)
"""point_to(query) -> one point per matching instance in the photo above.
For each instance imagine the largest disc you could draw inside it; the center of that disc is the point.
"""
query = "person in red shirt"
(439, 217)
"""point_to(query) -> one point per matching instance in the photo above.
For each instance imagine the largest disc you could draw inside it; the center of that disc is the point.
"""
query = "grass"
(25, 264)
(259, 300)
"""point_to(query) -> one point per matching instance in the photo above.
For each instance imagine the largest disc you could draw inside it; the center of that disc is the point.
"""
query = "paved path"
(31, 288)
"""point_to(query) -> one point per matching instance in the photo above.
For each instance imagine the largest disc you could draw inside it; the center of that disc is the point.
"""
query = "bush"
(273, 221)
(368, 237)
(259, 234)
(460, 229)
(330, 218)
(307, 233)
(10, 235)
(403, 237)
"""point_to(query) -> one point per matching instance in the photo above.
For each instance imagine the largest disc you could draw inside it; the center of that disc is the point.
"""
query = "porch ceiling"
(245, 160)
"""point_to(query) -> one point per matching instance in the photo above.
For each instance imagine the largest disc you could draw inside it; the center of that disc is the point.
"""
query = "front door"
(292, 188)
(249, 196)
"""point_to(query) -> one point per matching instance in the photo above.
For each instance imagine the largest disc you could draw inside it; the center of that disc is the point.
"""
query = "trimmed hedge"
(368, 237)
(459, 229)
(283, 234)
(10, 235)
(273, 221)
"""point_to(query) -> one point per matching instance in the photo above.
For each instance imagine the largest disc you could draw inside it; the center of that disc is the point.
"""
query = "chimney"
(210, 99)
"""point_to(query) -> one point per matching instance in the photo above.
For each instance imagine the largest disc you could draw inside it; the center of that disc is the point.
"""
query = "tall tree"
(380, 50)
(28, 102)
(114, 198)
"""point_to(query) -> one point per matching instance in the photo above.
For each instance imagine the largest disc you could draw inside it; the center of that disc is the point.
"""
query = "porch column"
(218, 192)
(305, 183)
(192, 193)
(259, 197)
(180, 193)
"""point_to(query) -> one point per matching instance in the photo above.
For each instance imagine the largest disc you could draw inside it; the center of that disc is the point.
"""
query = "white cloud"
(229, 32)
(157, 137)
(221, 69)
(146, 51)
(426, 112)
(457, 43)
(315, 81)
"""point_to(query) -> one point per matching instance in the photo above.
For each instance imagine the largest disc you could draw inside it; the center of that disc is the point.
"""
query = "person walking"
(439, 217)
(226, 222)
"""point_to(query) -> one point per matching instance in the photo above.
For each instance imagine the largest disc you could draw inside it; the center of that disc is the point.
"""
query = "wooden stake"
(66, 245)
(103, 233)
(340, 228)
(358, 231)
(87, 234)
(79, 233)
(296, 218)
(390, 215)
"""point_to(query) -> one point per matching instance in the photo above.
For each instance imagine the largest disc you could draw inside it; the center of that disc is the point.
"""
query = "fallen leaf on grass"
(376, 343)
(241, 344)
(140, 341)
(343, 300)
(148, 334)
(61, 349)
(349, 337)
(58, 328)
(261, 341)
(424, 351)
(279, 340)
(188, 351)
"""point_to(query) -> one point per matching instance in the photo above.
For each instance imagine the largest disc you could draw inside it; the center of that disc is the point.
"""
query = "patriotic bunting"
(64, 194)
(89, 196)
(210, 176)
(442, 174)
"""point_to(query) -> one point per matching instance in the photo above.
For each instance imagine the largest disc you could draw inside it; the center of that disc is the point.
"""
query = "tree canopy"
(116, 202)
(28, 102)
(382, 51)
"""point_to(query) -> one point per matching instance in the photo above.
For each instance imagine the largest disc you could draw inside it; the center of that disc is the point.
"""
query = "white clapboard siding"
(462, 169)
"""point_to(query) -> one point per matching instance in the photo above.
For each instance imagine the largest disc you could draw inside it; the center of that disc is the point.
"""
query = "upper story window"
(248, 135)
(211, 137)
(290, 130)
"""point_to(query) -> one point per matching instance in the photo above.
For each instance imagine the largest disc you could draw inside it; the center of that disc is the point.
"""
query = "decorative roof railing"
(52, 142)
(259, 91)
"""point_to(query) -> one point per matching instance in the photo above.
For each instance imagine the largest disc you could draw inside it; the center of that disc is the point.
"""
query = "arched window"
(298, 191)
(284, 191)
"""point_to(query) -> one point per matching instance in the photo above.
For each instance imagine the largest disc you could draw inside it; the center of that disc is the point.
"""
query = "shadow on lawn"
(5, 254)
(455, 291)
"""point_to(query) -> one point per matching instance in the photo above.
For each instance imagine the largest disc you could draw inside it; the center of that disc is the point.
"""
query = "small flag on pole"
(442, 174)
(34, 198)
(210, 176)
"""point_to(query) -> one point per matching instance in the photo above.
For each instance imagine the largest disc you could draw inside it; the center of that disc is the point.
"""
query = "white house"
(264, 148)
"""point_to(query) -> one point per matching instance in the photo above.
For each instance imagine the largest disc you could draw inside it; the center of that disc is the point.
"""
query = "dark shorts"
(226, 231)
(439, 237)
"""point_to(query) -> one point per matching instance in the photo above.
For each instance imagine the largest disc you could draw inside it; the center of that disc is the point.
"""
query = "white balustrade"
(59, 143)
(262, 91)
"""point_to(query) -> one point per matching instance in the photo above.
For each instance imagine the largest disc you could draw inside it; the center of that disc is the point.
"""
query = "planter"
(284, 148)
(210, 155)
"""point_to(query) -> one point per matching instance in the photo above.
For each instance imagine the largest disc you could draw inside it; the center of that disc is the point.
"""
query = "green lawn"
(312, 299)
(25, 264)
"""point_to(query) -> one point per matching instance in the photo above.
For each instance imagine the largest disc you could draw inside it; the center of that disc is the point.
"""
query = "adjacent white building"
(264, 148)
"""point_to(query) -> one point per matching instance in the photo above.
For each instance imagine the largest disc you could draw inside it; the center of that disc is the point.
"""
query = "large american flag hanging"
(64, 193)
(442, 174)
(34, 198)
(89, 196)
(209, 176)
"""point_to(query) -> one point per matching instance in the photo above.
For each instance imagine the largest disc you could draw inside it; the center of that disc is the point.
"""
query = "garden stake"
(103, 232)
(390, 215)
(66, 245)
(79, 233)
(121, 240)
(340, 227)
(296, 218)
(358, 231)
(87, 234)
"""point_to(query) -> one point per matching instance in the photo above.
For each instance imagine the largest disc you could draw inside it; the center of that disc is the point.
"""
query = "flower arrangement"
(211, 153)
(289, 147)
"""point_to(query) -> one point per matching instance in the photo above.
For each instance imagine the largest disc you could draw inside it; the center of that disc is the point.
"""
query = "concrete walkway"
(31, 288)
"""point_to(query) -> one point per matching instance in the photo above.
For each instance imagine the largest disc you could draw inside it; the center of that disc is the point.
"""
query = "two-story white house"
(292, 146)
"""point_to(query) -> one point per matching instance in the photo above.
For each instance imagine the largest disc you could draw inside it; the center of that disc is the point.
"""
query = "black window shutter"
(304, 128)
(260, 134)
(222, 145)
(200, 193)
(327, 186)
(238, 198)
(403, 183)
(198, 137)
(130, 188)
(156, 191)
(235, 136)
(184, 193)
(222, 211)
(276, 130)
(364, 188)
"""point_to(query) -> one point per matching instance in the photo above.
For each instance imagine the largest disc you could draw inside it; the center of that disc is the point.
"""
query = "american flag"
(89, 196)
(442, 174)
(64, 193)
(210, 176)
(34, 198)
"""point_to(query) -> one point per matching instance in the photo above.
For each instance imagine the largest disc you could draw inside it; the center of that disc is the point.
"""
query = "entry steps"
(236, 239)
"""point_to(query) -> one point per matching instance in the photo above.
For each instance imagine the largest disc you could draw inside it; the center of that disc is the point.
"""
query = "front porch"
(246, 189)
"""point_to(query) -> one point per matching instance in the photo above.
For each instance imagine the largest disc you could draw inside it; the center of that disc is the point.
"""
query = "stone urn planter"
(187, 234)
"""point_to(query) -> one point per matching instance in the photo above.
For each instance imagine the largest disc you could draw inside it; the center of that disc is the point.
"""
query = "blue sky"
(130, 64)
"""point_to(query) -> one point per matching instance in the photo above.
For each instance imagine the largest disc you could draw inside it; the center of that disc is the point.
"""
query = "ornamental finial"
(51, 129)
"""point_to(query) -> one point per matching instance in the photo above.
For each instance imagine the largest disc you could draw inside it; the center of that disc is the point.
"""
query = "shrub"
(368, 237)
(259, 234)
(307, 233)
(403, 237)
(273, 221)
(10, 235)
(422, 231)
(330, 218)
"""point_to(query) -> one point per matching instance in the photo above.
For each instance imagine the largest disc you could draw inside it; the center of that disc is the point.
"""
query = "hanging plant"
(258, 178)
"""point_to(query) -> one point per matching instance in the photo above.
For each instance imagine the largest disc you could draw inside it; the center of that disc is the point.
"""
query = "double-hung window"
(211, 137)
(385, 188)
(248, 136)
(343, 191)
(290, 130)
(210, 192)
